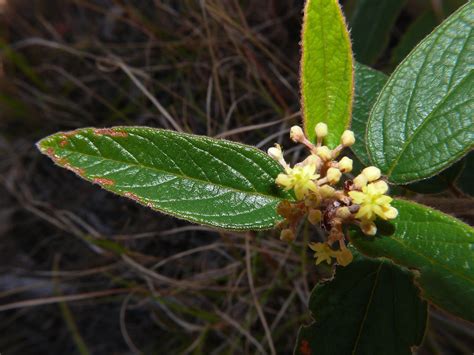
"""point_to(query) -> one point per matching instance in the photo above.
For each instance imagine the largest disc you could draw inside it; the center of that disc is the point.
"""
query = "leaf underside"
(203, 180)
(438, 246)
(370, 307)
(326, 70)
(422, 121)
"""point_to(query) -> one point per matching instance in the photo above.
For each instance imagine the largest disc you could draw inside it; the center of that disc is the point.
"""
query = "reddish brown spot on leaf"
(50, 151)
(63, 143)
(132, 196)
(304, 348)
(103, 181)
(110, 132)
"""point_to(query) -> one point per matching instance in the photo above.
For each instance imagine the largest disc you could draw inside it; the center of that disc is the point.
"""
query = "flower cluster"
(328, 196)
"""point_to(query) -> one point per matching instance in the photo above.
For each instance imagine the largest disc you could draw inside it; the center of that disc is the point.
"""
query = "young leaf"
(422, 120)
(203, 180)
(370, 24)
(368, 83)
(439, 247)
(370, 307)
(326, 69)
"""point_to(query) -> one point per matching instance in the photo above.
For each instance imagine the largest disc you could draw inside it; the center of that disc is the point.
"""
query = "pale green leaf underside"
(370, 307)
(326, 70)
(368, 83)
(422, 121)
(203, 180)
(440, 247)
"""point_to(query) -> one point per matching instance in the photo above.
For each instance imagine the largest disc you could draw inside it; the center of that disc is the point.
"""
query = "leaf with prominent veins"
(203, 180)
(327, 82)
(369, 307)
(422, 121)
(438, 246)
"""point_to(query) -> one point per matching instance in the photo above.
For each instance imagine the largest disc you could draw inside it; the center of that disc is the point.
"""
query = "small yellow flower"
(344, 257)
(300, 178)
(322, 252)
(373, 203)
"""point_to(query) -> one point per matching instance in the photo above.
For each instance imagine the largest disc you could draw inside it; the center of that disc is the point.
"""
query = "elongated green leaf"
(326, 69)
(203, 180)
(440, 247)
(422, 121)
(368, 83)
(370, 24)
(370, 307)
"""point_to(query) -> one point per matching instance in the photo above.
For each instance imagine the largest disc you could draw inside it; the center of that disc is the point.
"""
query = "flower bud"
(360, 181)
(287, 235)
(371, 173)
(345, 165)
(314, 216)
(333, 175)
(326, 191)
(347, 138)
(321, 130)
(275, 153)
(343, 212)
(296, 134)
(368, 228)
(324, 153)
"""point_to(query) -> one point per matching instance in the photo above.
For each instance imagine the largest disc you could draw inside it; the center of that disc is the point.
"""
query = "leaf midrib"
(172, 173)
(369, 303)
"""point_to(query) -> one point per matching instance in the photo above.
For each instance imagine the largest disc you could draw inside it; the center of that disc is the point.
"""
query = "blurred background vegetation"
(84, 271)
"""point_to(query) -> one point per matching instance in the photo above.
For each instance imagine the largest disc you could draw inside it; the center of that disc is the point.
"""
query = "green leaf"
(370, 307)
(368, 83)
(422, 121)
(420, 28)
(439, 247)
(371, 24)
(326, 70)
(203, 180)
